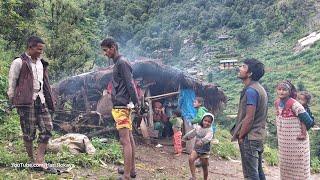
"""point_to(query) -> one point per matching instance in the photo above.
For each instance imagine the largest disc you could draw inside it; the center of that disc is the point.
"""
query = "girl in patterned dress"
(294, 152)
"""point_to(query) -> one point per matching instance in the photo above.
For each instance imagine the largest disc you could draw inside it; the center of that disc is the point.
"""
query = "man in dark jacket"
(123, 94)
(30, 93)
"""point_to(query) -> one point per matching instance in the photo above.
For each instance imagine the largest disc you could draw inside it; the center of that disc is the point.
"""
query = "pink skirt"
(294, 155)
(177, 142)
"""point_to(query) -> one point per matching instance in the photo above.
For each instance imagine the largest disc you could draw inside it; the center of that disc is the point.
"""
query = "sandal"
(49, 170)
(198, 164)
(121, 171)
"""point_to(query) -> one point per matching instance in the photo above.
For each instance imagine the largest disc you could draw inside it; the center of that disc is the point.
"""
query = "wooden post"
(85, 95)
(162, 95)
(144, 129)
(150, 112)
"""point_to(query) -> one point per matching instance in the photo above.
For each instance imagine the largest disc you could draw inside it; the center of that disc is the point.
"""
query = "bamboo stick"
(163, 95)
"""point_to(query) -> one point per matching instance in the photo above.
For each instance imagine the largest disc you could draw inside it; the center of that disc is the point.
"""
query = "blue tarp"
(186, 99)
(188, 112)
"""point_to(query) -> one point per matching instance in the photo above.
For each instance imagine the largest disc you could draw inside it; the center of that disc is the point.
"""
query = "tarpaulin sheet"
(186, 99)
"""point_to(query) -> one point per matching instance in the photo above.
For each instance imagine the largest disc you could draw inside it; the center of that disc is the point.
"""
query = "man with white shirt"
(29, 91)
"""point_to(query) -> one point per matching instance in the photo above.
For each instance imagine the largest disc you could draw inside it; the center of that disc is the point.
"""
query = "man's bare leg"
(133, 146)
(124, 134)
(29, 148)
(40, 154)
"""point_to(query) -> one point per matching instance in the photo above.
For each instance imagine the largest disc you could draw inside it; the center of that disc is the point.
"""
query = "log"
(102, 131)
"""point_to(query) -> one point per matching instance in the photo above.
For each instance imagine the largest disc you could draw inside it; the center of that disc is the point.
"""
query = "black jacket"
(123, 89)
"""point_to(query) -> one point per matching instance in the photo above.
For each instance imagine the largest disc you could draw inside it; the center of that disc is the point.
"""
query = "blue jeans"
(251, 157)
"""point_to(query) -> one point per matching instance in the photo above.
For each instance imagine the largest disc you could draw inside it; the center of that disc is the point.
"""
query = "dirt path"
(159, 163)
(164, 165)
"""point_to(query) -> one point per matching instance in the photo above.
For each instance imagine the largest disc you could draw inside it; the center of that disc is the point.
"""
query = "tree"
(176, 44)
(69, 35)
(17, 22)
(243, 36)
(235, 21)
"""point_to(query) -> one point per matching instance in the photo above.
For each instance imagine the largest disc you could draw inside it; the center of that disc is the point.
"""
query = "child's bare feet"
(301, 137)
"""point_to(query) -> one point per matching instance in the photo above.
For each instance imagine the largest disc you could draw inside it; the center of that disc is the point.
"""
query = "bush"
(225, 149)
(243, 36)
(199, 43)
(271, 156)
(235, 21)
(10, 128)
(315, 165)
(12, 154)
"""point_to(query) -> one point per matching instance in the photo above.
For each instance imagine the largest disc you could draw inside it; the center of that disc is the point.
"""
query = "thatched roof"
(166, 78)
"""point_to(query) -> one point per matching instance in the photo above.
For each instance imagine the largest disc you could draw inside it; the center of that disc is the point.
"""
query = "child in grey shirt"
(204, 134)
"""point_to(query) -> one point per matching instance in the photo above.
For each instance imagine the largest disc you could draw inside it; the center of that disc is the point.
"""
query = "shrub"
(10, 128)
(243, 36)
(8, 157)
(271, 156)
(315, 165)
(225, 149)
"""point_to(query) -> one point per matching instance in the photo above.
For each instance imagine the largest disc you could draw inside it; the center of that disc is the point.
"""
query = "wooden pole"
(150, 112)
(163, 95)
(144, 129)
(102, 131)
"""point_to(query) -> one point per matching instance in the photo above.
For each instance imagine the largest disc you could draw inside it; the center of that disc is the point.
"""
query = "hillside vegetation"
(188, 34)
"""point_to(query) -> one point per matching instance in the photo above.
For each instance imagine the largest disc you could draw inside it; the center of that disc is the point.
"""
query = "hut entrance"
(158, 102)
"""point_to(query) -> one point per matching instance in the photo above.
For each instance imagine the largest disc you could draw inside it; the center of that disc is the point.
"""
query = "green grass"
(106, 152)
(270, 155)
(315, 165)
(12, 151)
(13, 174)
(225, 149)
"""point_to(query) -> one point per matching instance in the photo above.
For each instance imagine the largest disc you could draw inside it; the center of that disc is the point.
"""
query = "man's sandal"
(121, 171)
(198, 164)
(49, 170)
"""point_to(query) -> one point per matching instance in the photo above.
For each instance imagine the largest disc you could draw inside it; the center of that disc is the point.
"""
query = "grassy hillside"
(183, 33)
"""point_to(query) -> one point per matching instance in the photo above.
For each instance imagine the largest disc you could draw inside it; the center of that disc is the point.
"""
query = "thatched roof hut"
(82, 92)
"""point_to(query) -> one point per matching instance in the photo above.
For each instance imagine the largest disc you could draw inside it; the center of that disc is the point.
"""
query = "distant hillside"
(193, 35)
(196, 35)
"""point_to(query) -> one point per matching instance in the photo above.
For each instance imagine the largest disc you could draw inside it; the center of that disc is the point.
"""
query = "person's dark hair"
(201, 123)
(33, 41)
(109, 42)
(255, 67)
(177, 113)
(307, 95)
(200, 100)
